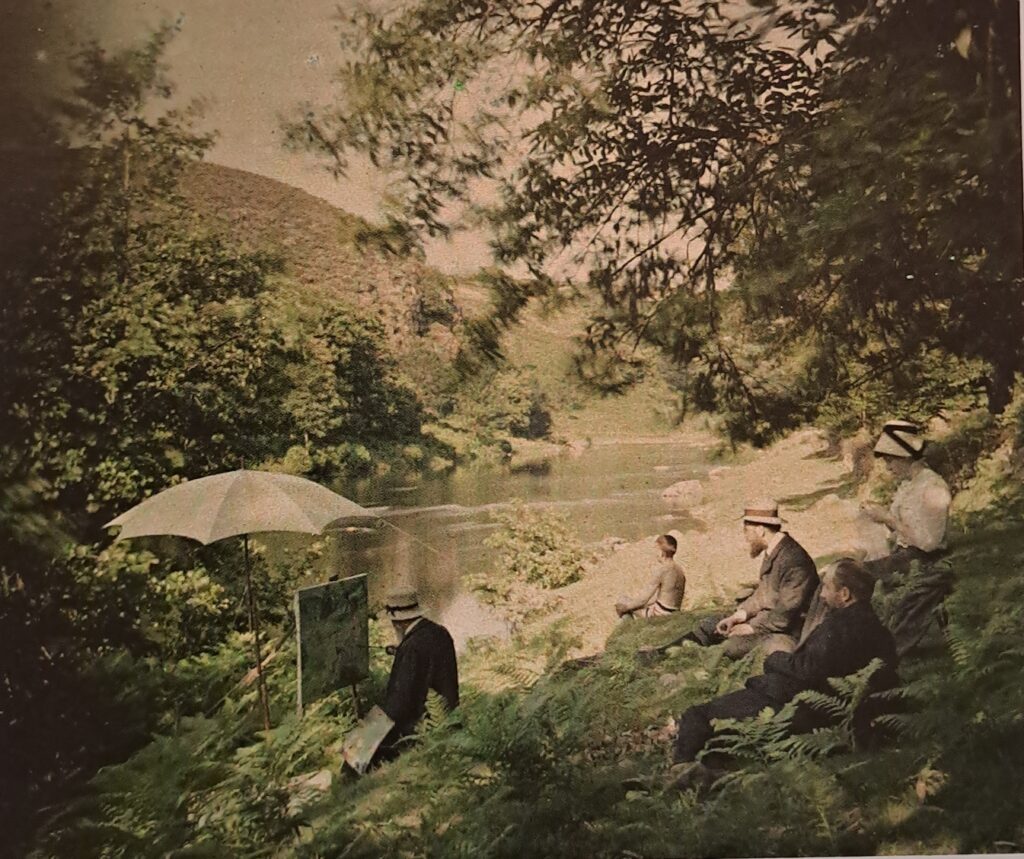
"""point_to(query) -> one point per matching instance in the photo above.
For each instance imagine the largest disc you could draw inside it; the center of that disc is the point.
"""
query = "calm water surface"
(606, 491)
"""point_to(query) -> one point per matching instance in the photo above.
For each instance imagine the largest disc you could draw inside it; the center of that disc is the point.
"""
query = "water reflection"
(436, 527)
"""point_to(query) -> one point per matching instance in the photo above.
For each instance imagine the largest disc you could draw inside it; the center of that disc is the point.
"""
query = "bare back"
(671, 584)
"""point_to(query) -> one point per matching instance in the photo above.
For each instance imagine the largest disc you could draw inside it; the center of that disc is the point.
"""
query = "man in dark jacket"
(424, 661)
(788, 580)
(849, 637)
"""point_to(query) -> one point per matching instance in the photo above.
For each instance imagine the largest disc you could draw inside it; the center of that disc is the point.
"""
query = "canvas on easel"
(333, 637)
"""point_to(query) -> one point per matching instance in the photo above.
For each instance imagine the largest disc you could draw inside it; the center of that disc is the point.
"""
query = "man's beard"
(757, 547)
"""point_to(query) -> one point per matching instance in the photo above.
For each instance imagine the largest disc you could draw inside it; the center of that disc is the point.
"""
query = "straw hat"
(900, 438)
(402, 605)
(764, 511)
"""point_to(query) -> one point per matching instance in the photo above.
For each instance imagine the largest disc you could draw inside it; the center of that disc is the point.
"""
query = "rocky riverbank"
(817, 488)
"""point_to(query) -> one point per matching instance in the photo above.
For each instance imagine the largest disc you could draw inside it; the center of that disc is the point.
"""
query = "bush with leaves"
(536, 553)
(210, 788)
(535, 545)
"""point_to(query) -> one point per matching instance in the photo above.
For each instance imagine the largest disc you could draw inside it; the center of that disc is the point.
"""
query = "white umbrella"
(239, 503)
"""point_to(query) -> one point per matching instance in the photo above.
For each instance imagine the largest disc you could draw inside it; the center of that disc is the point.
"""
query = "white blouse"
(920, 511)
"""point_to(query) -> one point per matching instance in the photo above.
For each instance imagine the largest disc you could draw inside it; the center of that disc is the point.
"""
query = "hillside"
(332, 255)
(324, 259)
(543, 344)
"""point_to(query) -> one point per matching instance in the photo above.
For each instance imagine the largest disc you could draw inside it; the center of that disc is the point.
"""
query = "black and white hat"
(901, 439)
(402, 605)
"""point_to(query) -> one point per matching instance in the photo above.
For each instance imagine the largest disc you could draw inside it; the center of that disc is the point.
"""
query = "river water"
(435, 529)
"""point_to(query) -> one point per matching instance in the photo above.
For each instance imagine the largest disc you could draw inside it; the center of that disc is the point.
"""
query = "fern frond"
(834, 706)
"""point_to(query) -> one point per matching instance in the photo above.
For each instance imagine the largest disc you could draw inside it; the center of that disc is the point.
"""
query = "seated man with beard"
(788, 580)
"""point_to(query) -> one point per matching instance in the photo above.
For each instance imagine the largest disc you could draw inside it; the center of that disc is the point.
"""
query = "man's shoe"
(691, 776)
(647, 656)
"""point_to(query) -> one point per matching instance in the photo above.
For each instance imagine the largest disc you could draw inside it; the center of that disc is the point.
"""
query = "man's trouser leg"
(704, 632)
(778, 642)
(887, 569)
(738, 646)
(916, 610)
(694, 728)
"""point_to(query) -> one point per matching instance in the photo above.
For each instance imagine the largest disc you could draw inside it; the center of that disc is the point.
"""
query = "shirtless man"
(664, 592)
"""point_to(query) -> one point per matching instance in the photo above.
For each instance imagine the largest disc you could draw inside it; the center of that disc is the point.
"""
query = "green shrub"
(536, 553)
(297, 460)
(487, 411)
(535, 546)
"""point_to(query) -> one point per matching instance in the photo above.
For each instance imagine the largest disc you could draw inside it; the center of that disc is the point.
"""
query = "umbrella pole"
(255, 628)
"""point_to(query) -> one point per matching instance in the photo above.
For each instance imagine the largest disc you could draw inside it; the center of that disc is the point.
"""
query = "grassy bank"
(534, 761)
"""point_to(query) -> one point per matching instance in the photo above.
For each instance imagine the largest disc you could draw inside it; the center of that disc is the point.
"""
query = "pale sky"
(256, 61)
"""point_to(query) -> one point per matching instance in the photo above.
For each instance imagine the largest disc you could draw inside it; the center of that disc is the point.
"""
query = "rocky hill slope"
(331, 254)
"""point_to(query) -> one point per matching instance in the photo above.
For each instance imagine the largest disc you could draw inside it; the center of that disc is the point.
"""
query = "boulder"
(577, 447)
(685, 493)
(611, 544)
(307, 788)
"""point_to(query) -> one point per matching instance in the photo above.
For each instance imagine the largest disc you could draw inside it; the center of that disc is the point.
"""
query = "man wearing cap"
(424, 661)
(917, 520)
(788, 580)
(849, 638)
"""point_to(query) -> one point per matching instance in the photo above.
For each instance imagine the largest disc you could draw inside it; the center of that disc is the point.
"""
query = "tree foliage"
(141, 349)
(807, 205)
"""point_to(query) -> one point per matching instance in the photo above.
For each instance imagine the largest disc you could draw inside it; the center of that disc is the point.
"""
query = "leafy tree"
(795, 202)
(143, 343)
(344, 385)
(896, 264)
(133, 344)
(139, 349)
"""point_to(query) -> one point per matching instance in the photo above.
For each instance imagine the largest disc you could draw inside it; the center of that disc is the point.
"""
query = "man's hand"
(741, 629)
(726, 624)
(875, 512)
(622, 608)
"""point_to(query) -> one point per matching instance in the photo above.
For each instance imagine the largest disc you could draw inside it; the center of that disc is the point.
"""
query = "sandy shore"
(816, 492)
